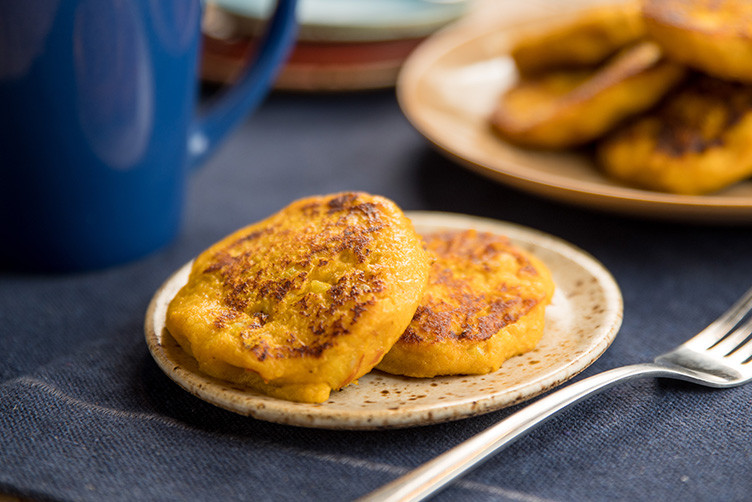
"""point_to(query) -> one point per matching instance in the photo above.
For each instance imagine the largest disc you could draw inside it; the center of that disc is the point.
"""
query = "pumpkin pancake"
(560, 109)
(584, 40)
(698, 141)
(485, 302)
(305, 301)
(712, 36)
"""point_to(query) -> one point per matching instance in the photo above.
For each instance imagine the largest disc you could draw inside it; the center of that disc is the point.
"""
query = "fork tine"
(734, 341)
(718, 329)
(743, 355)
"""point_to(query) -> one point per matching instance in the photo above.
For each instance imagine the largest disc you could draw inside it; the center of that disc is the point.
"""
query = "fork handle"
(437, 473)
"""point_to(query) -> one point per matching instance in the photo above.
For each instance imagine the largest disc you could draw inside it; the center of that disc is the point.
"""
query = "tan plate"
(581, 323)
(449, 85)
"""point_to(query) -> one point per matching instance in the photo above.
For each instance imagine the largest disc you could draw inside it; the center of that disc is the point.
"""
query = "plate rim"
(370, 22)
(317, 416)
(623, 199)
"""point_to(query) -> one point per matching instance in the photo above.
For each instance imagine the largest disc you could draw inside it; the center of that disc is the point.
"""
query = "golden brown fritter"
(699, 141)
(568, 108)
(586, 40)
(713, 36)
(485, 303)
(305, 301)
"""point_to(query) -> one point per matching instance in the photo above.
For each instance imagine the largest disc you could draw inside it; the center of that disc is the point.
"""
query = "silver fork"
(719, 356)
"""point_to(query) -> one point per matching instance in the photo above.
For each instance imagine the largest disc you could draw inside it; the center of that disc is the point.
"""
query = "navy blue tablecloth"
(85, 413)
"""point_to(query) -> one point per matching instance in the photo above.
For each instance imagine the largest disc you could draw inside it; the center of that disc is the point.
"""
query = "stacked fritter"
(485, 302)
(313, 297)
(661, 88)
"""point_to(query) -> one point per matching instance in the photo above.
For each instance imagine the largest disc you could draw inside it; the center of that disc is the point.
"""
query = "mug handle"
(211, 127)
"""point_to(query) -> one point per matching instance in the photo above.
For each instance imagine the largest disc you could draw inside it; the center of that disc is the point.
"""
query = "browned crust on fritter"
(584, 39)
(569, 108)
(698, 116)
(481, 316)
(697, 142)
(353, 291)
(305, 301)
(485, 302)
(713, 36)
(730, 17)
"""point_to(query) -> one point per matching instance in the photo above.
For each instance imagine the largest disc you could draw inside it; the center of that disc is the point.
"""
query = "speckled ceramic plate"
(581, 323)
(450, 84)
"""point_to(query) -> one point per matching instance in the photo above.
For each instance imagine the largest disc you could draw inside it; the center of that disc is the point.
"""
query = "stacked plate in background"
(342, 44)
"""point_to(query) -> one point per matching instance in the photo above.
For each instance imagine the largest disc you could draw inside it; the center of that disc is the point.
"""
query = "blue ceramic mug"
(98, 124)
